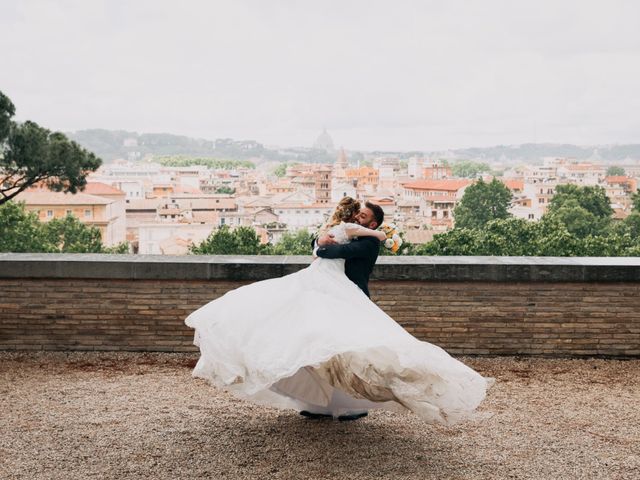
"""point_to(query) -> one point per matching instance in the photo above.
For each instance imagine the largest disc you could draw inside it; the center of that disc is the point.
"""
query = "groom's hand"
(326, 240)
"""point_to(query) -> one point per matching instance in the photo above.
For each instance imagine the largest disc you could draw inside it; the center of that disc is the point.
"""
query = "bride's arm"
(355, 230)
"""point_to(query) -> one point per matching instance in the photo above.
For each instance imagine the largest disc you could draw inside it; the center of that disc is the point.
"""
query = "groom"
(360, 254)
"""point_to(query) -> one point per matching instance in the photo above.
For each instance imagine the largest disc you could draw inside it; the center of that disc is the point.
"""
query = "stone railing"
(468, 305)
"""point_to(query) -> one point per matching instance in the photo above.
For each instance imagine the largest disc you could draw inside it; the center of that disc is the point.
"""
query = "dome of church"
(324, 141)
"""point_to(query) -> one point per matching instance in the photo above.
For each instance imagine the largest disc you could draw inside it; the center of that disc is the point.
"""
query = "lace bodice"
(344, 232)
(339, 233)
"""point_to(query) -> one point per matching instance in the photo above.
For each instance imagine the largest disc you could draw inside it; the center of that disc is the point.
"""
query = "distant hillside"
(112, 144)
(532, 152)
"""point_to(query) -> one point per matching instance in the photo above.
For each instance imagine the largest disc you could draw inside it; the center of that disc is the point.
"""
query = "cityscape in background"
(165, 198)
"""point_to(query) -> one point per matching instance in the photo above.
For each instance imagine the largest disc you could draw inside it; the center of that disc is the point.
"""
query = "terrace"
(124, 405)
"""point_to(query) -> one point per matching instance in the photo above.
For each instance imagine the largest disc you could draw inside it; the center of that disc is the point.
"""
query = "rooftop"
(99, 188)
(46, 197)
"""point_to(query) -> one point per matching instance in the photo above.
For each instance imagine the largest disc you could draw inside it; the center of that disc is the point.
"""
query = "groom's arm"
(360, 249)
(322, 241)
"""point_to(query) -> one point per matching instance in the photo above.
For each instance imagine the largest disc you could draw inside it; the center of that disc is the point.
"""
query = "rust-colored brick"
(466, 317)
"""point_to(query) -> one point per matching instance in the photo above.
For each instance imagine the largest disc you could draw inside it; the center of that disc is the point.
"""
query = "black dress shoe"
(355, 416)
(315, 416)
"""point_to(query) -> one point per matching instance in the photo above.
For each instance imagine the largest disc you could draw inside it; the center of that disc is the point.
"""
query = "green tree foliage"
(225, 241)
(213, 163)
(592, 199)
(635, 199)
(615, 171)
(469, 169)
(481, 203)
(631, 224)
(69, 235)
(293, 243)
(30, 154)
(281, 170)
(224, 189)
(7, 110)
(578, 220)
(459, 241)
(579, 224)
(23, 232)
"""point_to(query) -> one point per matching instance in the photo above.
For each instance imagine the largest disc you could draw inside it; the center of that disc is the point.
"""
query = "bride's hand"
(381, 236)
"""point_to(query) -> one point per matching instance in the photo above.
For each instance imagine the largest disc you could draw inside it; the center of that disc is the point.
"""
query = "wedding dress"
(314, 341)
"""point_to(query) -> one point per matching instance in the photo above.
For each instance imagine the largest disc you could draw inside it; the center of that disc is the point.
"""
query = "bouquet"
(393, 241)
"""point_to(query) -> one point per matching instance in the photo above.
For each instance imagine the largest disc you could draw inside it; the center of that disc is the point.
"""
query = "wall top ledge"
(238, 267)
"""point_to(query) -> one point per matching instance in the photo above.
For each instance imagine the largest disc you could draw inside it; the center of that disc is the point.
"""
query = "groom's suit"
(360, 256)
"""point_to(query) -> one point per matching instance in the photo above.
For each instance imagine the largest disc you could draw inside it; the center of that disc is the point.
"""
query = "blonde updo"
(345, 212)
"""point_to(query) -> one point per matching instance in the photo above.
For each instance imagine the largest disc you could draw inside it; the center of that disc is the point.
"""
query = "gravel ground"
(126, 415)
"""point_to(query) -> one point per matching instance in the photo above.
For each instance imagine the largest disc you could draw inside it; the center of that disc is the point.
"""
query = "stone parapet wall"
(467, 305)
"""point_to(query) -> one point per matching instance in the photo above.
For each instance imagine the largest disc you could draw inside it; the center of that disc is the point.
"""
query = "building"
(440, 197)
(106, 213)
(298, 216)
(324, 142)
(620, 189)
(170, 238)
(322, 178)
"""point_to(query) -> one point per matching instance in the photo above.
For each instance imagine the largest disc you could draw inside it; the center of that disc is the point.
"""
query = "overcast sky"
(378, 75)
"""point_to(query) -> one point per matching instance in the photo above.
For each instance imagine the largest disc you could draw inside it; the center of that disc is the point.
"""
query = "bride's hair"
(345, 211)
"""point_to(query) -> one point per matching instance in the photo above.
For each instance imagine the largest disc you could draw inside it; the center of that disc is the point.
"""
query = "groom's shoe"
(355, 416)
(314, 416)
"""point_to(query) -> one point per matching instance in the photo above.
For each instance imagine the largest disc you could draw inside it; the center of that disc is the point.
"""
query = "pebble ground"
(140, 415)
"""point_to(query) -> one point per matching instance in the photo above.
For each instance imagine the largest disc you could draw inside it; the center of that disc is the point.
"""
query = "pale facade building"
(104, 213)
(297, 216)
(171, 238)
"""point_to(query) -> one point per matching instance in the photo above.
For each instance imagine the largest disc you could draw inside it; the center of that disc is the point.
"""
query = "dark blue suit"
(360, 256)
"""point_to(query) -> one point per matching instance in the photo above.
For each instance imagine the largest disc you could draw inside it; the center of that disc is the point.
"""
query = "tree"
(592, 199)
(214, 163)
(459, 241)
(632, 224)
(30, 154)
(481, 203)
(21, 230)
(615, 171)
(507, 236)
(281, 170)
(7, 110)
(578, 220)
(69, 235)
(635, 199)
(224, 241)
(469, 169)
(225, 189)
(298, 243)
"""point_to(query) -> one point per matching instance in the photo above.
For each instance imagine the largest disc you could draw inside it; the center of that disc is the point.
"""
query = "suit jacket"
(360, 256)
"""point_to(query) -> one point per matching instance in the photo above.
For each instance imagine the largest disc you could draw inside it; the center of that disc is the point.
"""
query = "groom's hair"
(378, 213)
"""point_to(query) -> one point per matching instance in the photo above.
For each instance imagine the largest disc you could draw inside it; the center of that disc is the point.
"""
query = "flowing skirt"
(314, 341)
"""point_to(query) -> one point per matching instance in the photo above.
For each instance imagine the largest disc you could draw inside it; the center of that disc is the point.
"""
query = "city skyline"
(419, 76)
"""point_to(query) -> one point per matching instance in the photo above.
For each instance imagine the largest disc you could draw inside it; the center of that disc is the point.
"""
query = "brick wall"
(576, 318)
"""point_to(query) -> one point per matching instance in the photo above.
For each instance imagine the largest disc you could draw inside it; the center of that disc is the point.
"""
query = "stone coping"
(239, 267)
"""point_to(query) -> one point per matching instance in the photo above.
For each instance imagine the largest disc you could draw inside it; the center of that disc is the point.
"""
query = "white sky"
(377, 74)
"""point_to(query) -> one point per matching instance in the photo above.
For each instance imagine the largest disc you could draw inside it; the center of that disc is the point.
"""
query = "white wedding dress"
(314, 341)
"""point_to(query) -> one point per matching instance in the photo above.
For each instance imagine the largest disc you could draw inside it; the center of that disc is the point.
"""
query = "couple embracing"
(314, 342)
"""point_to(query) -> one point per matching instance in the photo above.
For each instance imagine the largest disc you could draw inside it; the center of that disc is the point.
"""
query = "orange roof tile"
(38, 197)
(514, 184)
(618, 179)
(99, 188)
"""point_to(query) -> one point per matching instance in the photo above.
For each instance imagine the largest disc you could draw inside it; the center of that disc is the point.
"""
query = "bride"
(313, 341)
